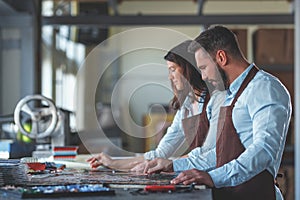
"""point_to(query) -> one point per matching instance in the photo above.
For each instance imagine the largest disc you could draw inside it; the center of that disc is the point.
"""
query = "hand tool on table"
(156, 188)
(167, 188)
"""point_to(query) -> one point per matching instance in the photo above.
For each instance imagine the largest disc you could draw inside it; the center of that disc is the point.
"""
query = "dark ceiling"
(14, 7)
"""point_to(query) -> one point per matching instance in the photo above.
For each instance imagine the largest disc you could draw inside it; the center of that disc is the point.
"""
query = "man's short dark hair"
(217, 38)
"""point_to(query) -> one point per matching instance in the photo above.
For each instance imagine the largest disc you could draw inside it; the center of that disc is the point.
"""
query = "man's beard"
(224, 78)
(222, 84)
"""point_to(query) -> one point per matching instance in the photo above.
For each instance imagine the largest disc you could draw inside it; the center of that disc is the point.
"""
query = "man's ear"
(221, 58)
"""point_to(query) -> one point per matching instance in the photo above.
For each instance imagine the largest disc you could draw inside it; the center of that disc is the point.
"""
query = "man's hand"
(193, 176)
(100, 159)
(158, 165)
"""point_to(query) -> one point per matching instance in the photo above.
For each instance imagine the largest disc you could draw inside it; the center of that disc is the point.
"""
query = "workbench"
(124, 185)
(121, 194)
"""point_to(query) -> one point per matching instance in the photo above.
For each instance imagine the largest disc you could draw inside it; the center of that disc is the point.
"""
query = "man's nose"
(204, 77)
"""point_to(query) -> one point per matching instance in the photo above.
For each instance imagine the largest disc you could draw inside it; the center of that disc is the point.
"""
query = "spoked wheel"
(39, 113)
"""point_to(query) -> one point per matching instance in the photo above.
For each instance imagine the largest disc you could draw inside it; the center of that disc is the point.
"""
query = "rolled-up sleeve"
(205, 161)
(172, 140)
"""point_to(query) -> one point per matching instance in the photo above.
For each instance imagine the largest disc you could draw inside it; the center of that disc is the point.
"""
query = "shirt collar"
(236, 84)
(187, 102)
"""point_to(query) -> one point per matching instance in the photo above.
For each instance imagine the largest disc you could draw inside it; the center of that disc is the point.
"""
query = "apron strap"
(248, 78)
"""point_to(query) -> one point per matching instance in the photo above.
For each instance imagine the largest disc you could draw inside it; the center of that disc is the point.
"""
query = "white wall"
(143, 77)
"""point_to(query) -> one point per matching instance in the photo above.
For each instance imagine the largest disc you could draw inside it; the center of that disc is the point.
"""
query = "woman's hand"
(139, 167)
(100, 159)
(158, 165)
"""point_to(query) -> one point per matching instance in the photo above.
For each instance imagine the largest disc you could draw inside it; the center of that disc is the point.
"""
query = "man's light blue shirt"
(261, 118)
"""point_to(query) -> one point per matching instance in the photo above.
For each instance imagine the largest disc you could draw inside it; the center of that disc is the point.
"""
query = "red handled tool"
(160, 188)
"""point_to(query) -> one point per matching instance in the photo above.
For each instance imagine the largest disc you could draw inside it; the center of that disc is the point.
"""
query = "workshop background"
(43, 44)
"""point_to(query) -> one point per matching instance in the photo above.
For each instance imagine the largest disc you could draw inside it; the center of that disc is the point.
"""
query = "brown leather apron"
(229, 147)
(196, 127)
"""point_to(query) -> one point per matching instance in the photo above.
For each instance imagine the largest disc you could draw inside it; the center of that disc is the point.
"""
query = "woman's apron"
(229, 147)
(196, 127)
